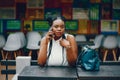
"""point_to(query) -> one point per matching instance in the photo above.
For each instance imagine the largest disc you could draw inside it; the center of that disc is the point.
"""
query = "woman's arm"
(42, 55)
(71, 47)
(72, 51)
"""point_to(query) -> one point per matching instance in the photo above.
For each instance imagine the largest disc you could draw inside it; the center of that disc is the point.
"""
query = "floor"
(3, 77)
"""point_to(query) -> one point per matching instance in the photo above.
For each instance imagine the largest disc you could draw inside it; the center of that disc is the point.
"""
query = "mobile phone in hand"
(51, 35)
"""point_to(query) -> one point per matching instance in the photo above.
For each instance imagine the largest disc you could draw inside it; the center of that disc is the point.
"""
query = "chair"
(80, 38)
(33, 40)
(2, 43)
(13, 44)
(21, 63)
(22, 38)
(118, 37)
(98, 41)
(110, 43)
(23, 41)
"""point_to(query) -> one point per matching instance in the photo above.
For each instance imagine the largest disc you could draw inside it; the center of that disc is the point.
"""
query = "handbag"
(88, 59)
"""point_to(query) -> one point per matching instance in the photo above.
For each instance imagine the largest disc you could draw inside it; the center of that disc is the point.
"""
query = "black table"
(83, 43)
(47, 73)
(107, 72)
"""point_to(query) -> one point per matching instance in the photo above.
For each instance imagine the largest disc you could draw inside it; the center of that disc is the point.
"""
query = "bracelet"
(67, 47)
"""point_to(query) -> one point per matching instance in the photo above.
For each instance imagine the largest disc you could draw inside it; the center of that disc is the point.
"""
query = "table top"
(111, 72)
(45, 73)
(106, 72)
(83, 43)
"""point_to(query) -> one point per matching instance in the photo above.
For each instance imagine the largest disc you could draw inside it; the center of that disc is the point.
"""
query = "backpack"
(88, 59)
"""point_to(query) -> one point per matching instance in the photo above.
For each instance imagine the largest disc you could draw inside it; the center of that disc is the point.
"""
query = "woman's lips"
(58, 33)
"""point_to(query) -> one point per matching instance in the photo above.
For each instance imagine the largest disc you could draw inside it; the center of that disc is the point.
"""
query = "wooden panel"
(7, 3)
(35, 13)
(80, 13)
(66, 1)
(83, 26)
(94, 26)
(21, 1)
(106, 11)
(35, 4)
(67, 10)
(20, 10)
(119, 27)
(95, 1)
(52, 4)
(7, 13)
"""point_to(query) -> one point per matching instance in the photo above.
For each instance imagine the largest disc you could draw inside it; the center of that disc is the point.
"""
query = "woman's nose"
(59, 28)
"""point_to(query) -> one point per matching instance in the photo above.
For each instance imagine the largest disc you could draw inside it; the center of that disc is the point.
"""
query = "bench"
(7, 63)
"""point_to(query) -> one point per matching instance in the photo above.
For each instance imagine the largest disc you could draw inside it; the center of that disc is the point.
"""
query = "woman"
(64, 48)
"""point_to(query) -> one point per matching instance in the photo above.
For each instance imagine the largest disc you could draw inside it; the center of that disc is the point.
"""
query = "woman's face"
(58, 27)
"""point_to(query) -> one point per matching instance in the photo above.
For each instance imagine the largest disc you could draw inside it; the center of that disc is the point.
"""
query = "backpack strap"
(50, 48)
(63, 37)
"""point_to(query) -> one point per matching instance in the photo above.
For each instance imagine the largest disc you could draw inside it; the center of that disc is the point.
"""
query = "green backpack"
(88, 59)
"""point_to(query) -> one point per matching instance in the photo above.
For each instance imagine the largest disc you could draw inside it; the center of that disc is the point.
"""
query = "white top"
(57, 56)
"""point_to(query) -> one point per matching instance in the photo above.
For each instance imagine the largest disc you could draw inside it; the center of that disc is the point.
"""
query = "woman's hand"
(65, 43)
(49, 36)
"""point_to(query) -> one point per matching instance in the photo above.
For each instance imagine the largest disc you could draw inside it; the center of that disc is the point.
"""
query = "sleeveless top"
(58, 54)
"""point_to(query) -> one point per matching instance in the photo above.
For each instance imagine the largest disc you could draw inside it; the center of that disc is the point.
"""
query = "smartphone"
(50, 29)
(52, 35)
(63, 36)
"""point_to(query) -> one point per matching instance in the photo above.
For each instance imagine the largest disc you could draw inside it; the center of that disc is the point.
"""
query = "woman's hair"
(51, 19)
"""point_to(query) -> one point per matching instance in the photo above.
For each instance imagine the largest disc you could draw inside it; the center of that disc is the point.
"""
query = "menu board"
(109, 26)
(13, 24)
(71, 24)
(40, 25)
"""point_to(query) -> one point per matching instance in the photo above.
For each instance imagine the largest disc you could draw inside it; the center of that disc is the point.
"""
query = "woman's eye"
(62, 26)
(56, 26)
